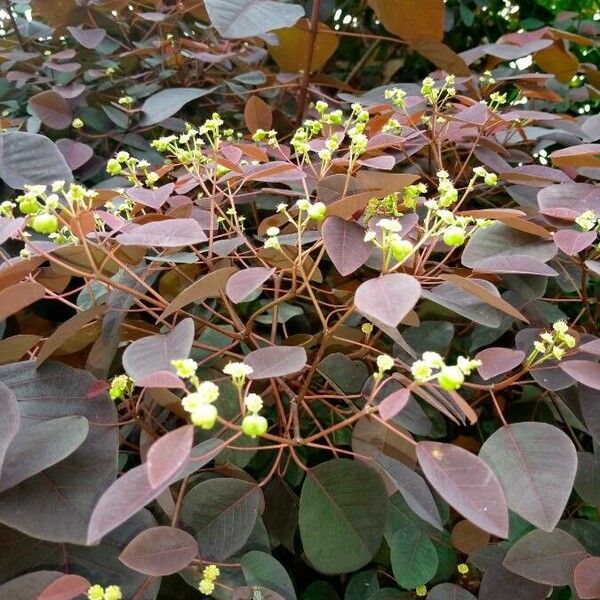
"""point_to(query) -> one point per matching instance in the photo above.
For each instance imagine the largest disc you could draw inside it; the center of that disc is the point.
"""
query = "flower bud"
(45, 223)
(450, 378)
(205, 416)
(454, 236)
(317, 211)
(254, 425)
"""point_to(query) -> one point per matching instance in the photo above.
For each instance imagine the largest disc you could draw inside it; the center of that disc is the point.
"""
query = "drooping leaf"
(247, 18)
(42, 505)
(413, 489)
(29, 158)
(160, 551)
(257, 114)
(168, 454)
(132, 491)
(411, 19)
(387, 299)
(572, 242)
(243, 283)
(545, 557)
(18, 296)
(587, 578)
(166, 103)
(342, 515)
(413, 557)
(261, 569)
(536, 464)
(467, 484)
(275, 361)
(170, 233)
(345, 245)
(153, 354)
(221, 513)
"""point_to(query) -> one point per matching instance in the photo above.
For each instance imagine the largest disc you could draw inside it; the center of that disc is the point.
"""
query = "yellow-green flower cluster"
(587, 220)
(120, 387)
(449, 377)
(129, 166)
(209, 576)
(552, 344)
(412, 193)
(272, 240)
(434, 94)
(238, 371)
(384, 363)
(253, 424)
(392, 245)
(200, 404)
(97, 592)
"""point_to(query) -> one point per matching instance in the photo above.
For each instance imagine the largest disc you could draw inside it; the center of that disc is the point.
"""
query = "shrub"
(285, 345)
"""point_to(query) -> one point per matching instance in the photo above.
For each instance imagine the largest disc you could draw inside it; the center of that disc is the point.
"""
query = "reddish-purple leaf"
(593, 266)
(517, 264)
(154, 353)
(154, 198)
(345, 245)
(169, 233)
(387, 299)
(499, 583)
(66, 587)
(391, 405)
(587, 578)
(572, 242)
(467, 484)
(88, 38)
(413, 488)
(76, 153)
(132, 491)
(10, 227)
(591, 347)
(160, 379)
(160, 551)
(168, 454)
(548, 557)
(276, 361)
(276, 172)
(9, 424)
(243, 283)
(495, 361)
(584, 371)
(536, 464)
(51, 109)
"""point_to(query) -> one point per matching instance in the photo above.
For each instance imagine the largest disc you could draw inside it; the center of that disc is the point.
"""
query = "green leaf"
(413, 556)
(320, 590)
(342, 515)
(362, 585)
(261, 569)
(166, 103)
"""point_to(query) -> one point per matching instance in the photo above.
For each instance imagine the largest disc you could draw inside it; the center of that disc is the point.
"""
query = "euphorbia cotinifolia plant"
(353, 357)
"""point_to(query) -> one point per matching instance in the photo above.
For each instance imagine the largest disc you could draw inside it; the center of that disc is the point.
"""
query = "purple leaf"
(536, 464)
(51, 109)
(413, 489)
(525, 265)
(572, 242)
(587, 578)
(146, 356)
(467, 484)
(345, 245)
(166, 103)
(9, 227)
(243, 283)
(545, 557)
(88, 38)
(160, 551)
(496, 361)
(160, 379)
(584, 371)
(76, 153)
(66, 587)
(276, 361)
(154, 198)
(28, 586)
(168, 454)
(387, 299)
(169, 233)
(56, 504)
(9, 424)
(391, 405)
(132, 491)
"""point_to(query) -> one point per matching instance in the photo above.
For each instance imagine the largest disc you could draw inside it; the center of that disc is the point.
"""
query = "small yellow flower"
(113, 592)
(96, 592)
(211, 572)
(462, 568)
(253, 403)
(421, 591)
(385, 363)
(185, 367)
(206, 587)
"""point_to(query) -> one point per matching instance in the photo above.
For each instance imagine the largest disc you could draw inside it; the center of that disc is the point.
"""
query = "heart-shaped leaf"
(496, 361)
(170, 233)
(276, 361)
(243, 283)
(387, 299)
(345, 245)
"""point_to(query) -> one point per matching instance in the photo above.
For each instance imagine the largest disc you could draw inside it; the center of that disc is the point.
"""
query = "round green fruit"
(254, 425)
(45, 223)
